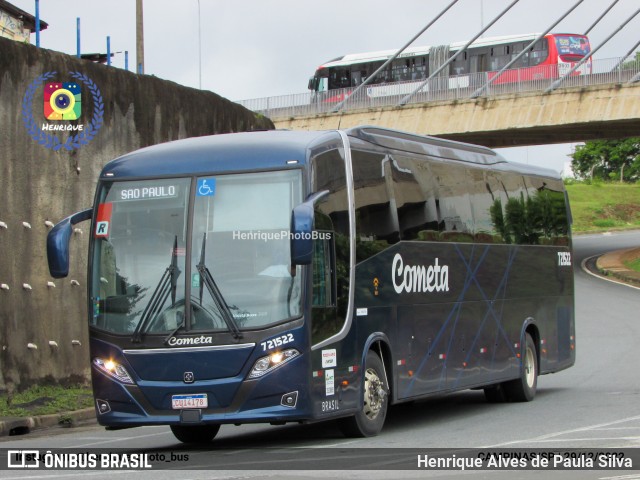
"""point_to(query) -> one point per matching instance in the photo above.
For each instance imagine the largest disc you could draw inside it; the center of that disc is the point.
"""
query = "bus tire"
(195, 433)
(524, 388)
(369, 420)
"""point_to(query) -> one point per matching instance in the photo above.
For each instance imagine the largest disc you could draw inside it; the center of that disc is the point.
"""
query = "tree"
(632, 64)
(541, 218)
(608, 160)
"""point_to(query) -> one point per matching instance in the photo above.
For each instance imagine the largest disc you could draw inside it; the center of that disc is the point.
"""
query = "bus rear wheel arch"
(195, 433)
(522, 389)
(369, 420)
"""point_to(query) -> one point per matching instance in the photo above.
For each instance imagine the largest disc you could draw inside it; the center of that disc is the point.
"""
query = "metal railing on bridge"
(459, 87)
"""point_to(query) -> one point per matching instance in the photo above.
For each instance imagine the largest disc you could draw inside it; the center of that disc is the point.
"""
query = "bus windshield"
(157, 272)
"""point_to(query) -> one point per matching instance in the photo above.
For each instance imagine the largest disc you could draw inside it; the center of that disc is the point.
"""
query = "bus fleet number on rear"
(564, 259)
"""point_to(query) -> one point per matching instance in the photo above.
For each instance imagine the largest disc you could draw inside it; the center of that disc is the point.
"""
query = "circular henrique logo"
(67, 122)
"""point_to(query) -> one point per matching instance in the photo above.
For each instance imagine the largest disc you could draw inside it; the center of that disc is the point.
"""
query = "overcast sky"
(262, 48)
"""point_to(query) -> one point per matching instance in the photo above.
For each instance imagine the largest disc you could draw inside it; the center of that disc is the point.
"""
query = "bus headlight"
(113, 369)
(266, 364)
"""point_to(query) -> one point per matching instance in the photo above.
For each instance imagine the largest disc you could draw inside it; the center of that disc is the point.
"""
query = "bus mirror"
(302, 229)
(58, 243)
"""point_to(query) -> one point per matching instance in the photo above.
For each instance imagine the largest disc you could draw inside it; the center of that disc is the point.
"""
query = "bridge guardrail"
(459, 87)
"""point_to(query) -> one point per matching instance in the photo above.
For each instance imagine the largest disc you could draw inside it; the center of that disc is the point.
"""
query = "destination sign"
(148, 193)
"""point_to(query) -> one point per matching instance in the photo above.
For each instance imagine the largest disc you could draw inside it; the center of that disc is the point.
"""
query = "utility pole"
(78, 37)
(199, 48)
(139, 38)
(38, 23)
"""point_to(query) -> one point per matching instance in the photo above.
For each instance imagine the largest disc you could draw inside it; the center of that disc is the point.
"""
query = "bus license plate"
(195, 400)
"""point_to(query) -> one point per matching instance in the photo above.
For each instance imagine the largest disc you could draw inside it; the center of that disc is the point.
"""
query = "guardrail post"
(620, 72)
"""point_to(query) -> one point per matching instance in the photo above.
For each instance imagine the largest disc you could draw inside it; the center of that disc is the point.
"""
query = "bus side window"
(539, 53)
(415, 197)
(453, 204)
(483, 191)
(323, 265)
(546, 212)
(330, 262)
(376, 213)
(356, 77)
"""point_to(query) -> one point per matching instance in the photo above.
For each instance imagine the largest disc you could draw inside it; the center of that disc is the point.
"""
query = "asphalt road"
(595, 404)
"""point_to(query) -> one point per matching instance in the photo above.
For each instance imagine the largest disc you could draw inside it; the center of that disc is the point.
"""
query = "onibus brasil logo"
(62, 102)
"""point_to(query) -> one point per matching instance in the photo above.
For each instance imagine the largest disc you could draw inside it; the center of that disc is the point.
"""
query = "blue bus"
(285, 276)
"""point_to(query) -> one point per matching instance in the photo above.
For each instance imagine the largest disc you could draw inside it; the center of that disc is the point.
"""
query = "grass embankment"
(634, 264)
(45, 400)
(604, 206)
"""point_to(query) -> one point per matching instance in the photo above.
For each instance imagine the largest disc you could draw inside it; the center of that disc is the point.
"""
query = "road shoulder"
(612, 265)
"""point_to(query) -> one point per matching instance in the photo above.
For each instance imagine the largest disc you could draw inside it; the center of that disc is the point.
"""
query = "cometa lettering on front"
(201, 340)
(419, 278)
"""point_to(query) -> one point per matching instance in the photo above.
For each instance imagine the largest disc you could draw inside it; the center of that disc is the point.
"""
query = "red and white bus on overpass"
(550, 57)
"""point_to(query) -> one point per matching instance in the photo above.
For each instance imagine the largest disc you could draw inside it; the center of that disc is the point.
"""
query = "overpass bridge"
(604, 103)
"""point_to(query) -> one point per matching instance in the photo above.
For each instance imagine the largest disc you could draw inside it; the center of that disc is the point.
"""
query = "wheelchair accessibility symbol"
(206, 187)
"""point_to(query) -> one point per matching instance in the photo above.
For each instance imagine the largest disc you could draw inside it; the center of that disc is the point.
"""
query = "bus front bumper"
(277, 397)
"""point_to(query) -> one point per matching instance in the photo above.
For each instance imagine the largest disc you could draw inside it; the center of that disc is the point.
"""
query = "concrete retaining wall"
(38, 184)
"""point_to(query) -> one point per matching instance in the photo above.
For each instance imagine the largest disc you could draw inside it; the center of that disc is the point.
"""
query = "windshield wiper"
(207, 279)
(175, 330)
(167, 285)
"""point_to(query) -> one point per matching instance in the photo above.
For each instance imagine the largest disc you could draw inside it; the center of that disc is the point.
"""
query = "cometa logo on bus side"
(419, 278)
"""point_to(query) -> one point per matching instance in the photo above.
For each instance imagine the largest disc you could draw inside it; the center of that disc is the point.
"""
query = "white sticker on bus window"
(330, 382)
(157, 192)
(103, 219)
(102, 229)
(329, 358)
(362, 312)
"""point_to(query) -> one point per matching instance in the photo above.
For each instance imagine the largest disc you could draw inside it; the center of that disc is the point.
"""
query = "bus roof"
(445, 150)
(260, 150)
(424, 145)
(281, 149)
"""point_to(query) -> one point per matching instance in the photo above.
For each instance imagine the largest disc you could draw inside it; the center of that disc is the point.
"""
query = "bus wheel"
(195, 433)
(524, 388)
(369, 420)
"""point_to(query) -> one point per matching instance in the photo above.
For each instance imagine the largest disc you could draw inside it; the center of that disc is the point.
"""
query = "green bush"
(604, 223)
